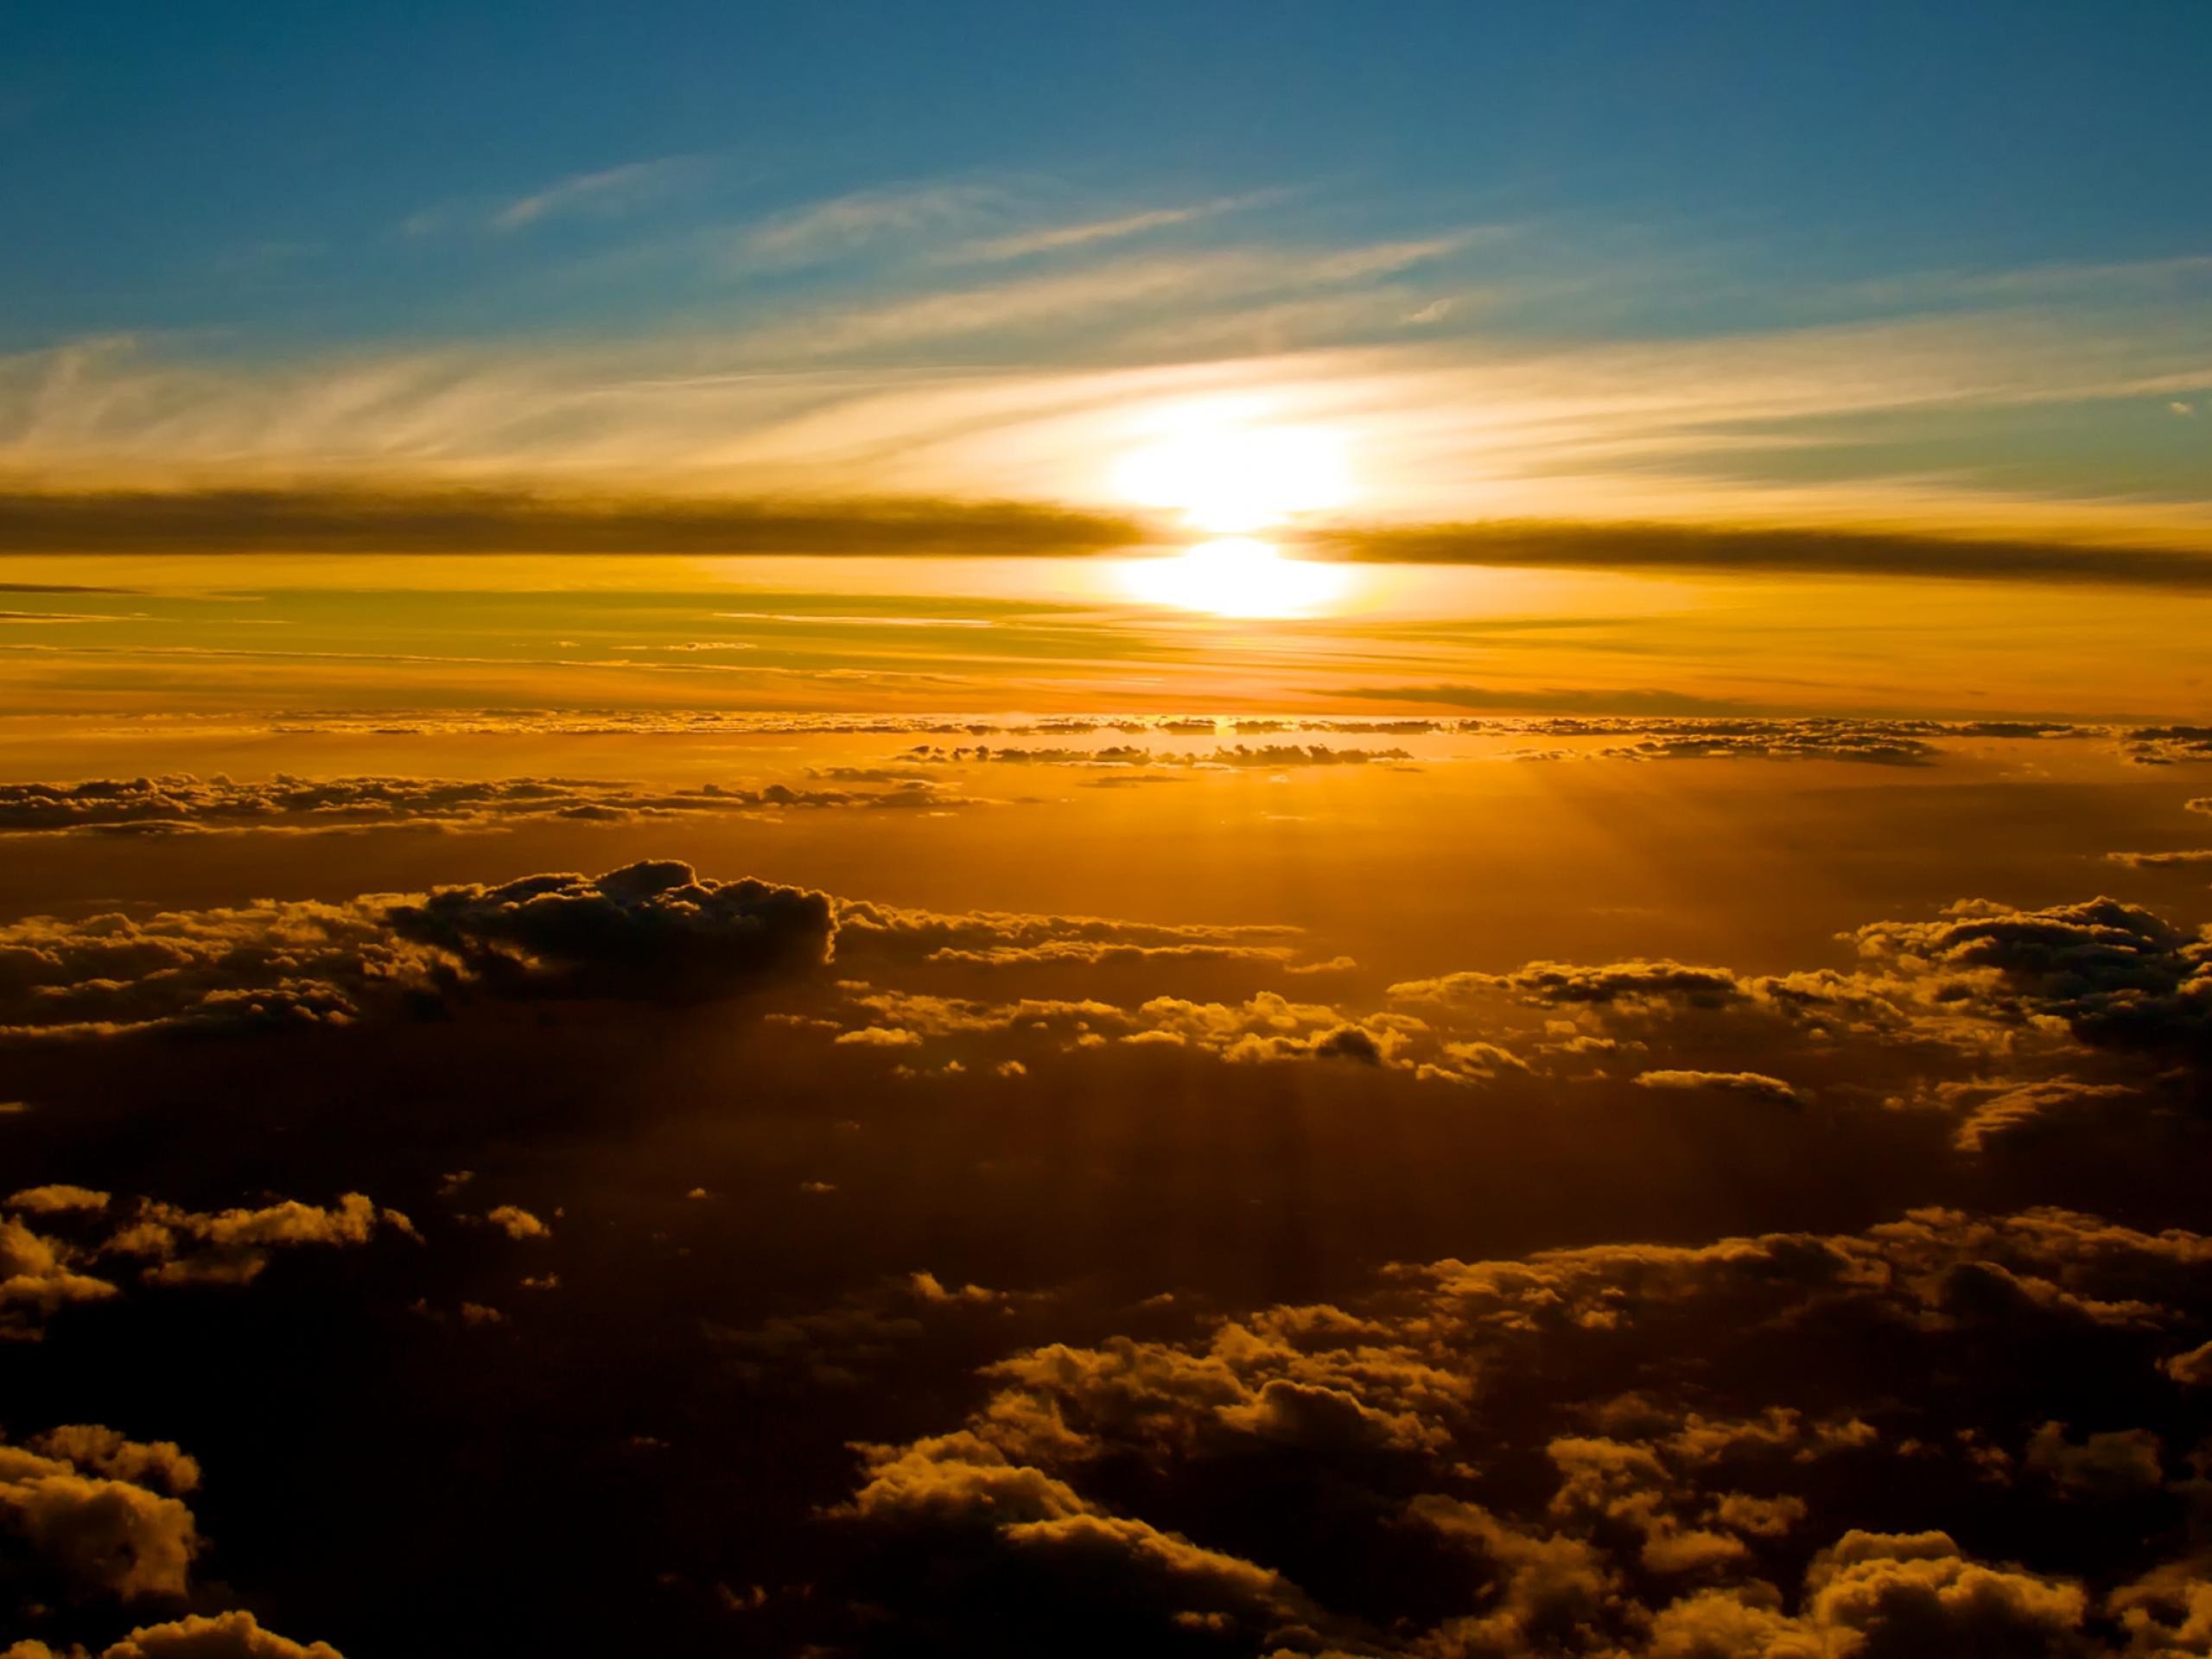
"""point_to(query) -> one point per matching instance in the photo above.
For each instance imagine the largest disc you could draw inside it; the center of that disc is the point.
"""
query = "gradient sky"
(1861, 264)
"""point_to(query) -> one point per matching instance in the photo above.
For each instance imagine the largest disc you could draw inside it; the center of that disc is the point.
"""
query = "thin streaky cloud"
(1056, 238)
(611, 190)
(1026, 303)
(828, 230)
(486, 520)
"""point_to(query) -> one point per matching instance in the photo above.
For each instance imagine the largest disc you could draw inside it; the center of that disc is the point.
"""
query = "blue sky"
(198, 165)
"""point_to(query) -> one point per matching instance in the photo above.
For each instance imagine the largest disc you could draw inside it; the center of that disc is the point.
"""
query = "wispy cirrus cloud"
(1203, 279)
(612, 190)
(1059, 239)
(927, 380)
(848, 224)
(603, 193)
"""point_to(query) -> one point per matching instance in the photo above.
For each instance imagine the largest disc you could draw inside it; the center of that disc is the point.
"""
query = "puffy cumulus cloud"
(964, 1483)
(649, 929)
(871, 935)
(297, 963)
(1738, 1501)
(1754, 1084)
(75, 1505)
(1938, 1268)
(1882, 1596)
(1266, 1028)
(39, 1276)
(1627, 1485)
(1551, 1593)
(517, 1223)
(42, 1274)
(2115, 974)
(2110, 1464)
(957, 1477)
(1636, 984)
(233, 1247)
(2167, 746)
(2192, 1368)
(1467, 1405)
(2071, 1017)
(2001, 1113)
(55, 1197)
(196, 1636)
(2109, 973)
(1732, 1624)
(1888, 1596)
(654, 929)
(1695, 1438)
(1314, 1378)
(159, 1465)
(178, 804)
(2168, 1611)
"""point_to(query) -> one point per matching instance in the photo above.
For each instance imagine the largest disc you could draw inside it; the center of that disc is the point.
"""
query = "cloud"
(1809, 550)
(161, 1464)
(1752, 1084)
(1266, 757)
(2192, 1368)
(1556, 699)
(517, 1223)
(2054, 985)
(1890, 1596)
(1053, 298)
(96, 1533)
(2114, 1464)
(1570, 443)
(39, 1276)
(179, 804)
(844, 224)
(2166, 745)
(429, 519)
(1561, 983)
(868, 932)
(1457, 1399)
(1059, 239)
(648, 931)
(225, 1636)
(2005, 1113)
(2119, 975)
(55, 1196)
(2163, 860)
(233, 1247)
(608, 193)
(100, 1517)
(962, 1480)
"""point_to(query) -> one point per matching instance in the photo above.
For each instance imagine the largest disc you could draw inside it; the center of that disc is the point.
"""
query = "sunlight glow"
(1239, 576)
(1230, 478)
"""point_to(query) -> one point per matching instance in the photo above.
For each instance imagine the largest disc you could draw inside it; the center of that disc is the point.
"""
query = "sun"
(1230, 478)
